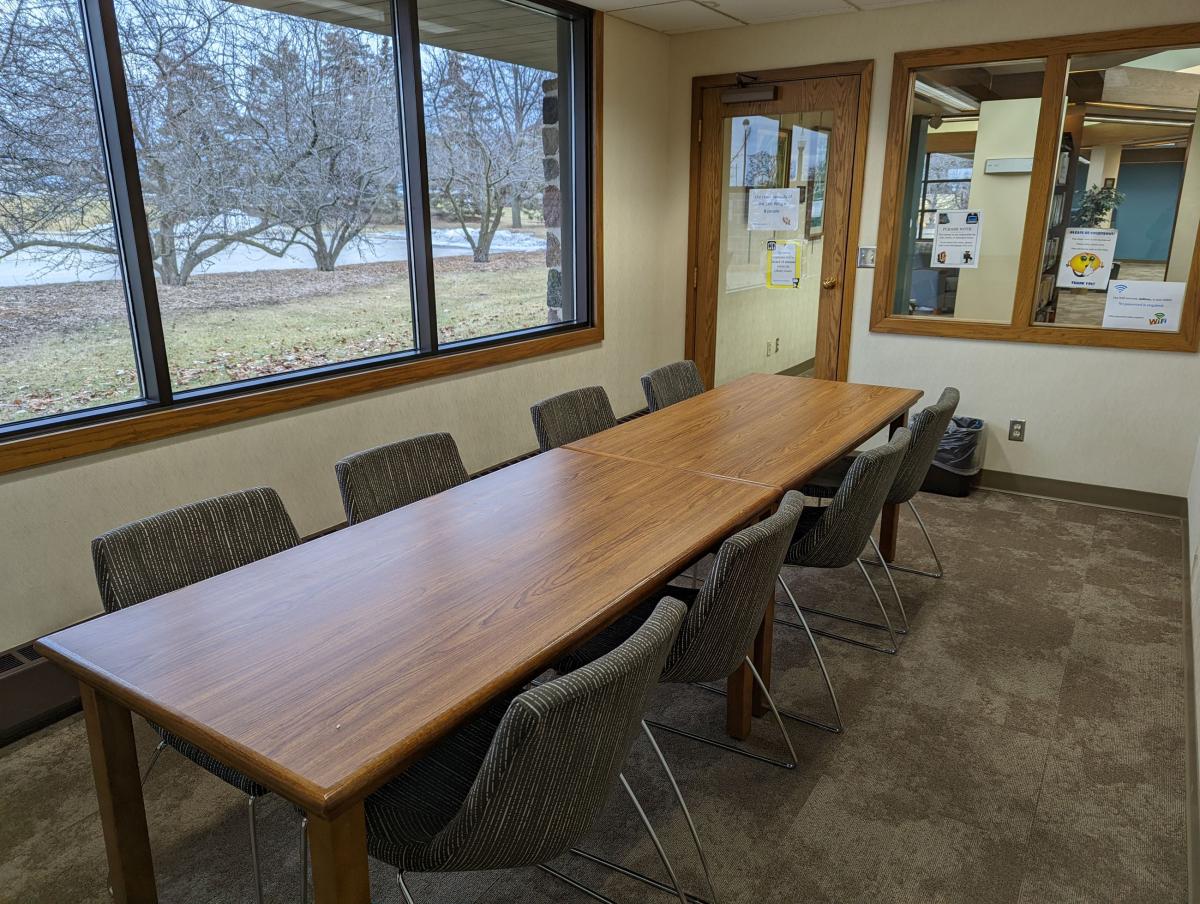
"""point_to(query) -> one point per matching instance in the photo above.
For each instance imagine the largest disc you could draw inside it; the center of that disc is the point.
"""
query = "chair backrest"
(188, 544)
(845, 525)
(562, 419)
(927, 426)
(379, 480)
(722, 623)
(672, 383)
(556, 756)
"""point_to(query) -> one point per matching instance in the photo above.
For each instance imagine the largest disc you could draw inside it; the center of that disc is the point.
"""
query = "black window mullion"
(576, 105)
(416, 172)
(129, 214)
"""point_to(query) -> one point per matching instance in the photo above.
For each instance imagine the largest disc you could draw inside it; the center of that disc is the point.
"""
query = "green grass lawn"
(85, 368)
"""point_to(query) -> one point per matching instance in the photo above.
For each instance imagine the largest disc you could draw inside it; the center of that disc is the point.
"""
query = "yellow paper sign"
(783, 264)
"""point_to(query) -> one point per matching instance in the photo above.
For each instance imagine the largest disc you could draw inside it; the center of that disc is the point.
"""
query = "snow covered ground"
(30, 267)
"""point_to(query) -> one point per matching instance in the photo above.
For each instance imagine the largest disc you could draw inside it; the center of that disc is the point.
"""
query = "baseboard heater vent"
(34, 692)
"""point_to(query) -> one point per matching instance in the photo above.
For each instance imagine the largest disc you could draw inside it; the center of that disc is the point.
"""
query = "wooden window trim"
(1057, 53)
(149, 424)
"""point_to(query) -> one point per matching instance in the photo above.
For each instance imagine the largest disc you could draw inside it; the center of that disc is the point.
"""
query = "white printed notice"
(1087, 258)
(1144, 305)
(783, 265)
(773, 208)
(956, 240)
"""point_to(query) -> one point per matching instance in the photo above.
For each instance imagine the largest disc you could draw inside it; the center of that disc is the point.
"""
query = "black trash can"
(959, 459)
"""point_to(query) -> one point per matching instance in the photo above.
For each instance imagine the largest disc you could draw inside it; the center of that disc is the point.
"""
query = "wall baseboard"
(799, 370)
(1086, 493)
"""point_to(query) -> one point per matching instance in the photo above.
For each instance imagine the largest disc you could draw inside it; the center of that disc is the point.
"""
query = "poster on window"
(1144, 305)
(956, 239)
(783, 265)
(774, 209)
(1087, 258)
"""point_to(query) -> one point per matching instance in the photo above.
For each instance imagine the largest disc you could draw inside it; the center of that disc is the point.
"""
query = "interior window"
(971, 148)
(1126, 198)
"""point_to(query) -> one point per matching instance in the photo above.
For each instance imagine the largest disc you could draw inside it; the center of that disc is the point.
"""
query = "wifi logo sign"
(1121, 288)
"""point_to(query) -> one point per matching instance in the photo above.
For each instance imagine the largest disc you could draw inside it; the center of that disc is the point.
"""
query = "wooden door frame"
(863, 71)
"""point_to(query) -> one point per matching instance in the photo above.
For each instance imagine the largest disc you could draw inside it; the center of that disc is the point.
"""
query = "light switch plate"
(866, 256)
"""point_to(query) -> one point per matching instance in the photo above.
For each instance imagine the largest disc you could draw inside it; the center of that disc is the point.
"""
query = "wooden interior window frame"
(146, 424)
(1057, 53)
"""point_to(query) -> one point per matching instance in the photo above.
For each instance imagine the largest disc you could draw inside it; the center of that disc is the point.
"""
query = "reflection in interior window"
(971, 146)
(65, 339)
(1126, 196)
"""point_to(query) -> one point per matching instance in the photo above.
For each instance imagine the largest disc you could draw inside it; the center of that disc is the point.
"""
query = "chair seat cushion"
(622, 629)
(825, 484)
(206, 761)
(404, 815)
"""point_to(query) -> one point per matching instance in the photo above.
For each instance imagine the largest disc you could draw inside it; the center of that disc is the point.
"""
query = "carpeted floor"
(1026, 745)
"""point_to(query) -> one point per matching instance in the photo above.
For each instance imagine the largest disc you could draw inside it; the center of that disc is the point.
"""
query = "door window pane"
(270, 160)
(498, 141)
(65, 338)
(1126, 197)
(971, 148)
(772, 242)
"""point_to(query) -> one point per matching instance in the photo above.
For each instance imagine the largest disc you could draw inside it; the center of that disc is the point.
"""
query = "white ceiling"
(678, 16)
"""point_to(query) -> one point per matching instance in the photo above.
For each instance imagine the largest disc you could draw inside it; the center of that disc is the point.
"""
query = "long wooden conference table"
(325, 670)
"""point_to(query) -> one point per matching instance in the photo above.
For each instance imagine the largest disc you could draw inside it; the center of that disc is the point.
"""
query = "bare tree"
(480, 154)
(323, 100)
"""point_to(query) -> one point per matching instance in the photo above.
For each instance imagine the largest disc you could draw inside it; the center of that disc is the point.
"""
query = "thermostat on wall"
(998, 166)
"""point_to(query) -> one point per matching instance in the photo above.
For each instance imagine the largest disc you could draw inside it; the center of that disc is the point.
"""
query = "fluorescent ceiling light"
(434, 28)
(950, 98)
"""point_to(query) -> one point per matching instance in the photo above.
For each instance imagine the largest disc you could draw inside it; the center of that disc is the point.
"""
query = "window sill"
(143, 426)
(1185, 341)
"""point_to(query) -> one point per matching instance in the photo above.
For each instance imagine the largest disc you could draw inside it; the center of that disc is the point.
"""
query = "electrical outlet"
(1016, 431)
(866, 256)
(770, 348)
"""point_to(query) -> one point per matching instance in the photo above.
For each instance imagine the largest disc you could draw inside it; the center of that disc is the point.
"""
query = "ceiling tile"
(676, 17)
(755, 11)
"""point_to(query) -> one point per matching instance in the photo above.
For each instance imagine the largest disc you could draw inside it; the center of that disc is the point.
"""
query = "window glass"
(498, 140)
(65, 338)
(1126, 198)
(971, 147)
(271, 167)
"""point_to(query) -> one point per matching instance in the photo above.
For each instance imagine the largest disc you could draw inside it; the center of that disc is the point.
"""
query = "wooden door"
(774, 212)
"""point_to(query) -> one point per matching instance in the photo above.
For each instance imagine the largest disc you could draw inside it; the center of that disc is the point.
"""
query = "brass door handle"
(830, 282)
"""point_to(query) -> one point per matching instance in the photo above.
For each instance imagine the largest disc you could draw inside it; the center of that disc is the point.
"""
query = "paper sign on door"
(783, 265)
(774, 208)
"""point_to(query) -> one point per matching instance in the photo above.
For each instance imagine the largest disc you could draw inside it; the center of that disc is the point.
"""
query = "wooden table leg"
(339, 857)
(889, 523)
(763, 645)
(739, 703)
(119, 791)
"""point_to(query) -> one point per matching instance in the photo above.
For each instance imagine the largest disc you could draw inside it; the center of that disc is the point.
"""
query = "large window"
(1045, 191)
(231, 196)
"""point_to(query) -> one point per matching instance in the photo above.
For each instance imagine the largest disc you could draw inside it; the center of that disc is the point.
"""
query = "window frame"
(162, 413)
(1057, 53)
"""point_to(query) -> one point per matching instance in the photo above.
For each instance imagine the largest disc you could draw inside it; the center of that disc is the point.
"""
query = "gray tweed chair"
(564, 418)
(928, 426)
(388, 477)
(672, 383)
(833, 536)
(723, 618)
(185, 545)
(520, 785)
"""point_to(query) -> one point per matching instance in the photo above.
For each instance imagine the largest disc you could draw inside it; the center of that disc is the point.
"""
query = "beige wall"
(51, 514)
(1007, 128)
(1108, 417)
